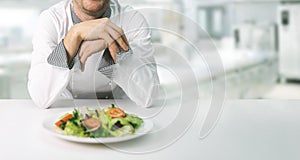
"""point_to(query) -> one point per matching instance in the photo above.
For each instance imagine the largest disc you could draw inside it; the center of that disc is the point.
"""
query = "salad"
(95, 123)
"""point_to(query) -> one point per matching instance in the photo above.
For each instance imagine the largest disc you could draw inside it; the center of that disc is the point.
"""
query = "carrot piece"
(58, 123)
(67, 117)
(63, 119)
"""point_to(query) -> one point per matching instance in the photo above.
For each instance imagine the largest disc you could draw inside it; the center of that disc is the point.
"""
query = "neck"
(84, 16)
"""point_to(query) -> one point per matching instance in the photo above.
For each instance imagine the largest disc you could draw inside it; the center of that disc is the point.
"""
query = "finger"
(110, 42)
(91, 47)
(114, 47)
(125, 39)
(82, 67)
(108, 39)
(116, 28)
(101, 43)
(83, 60)
(80, 53)
(120, 31)
(113, 55)
(118, 37)
(81, 49)
(122, 44)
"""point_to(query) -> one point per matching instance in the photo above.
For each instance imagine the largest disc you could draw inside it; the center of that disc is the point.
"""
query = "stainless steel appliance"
(289, 41)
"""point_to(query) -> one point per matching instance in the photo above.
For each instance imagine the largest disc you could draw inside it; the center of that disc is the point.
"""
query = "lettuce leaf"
(125, 130)
(115, 120)
(134, 120)
(74, 130)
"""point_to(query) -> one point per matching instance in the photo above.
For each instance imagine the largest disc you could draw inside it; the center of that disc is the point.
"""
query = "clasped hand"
(99, 34)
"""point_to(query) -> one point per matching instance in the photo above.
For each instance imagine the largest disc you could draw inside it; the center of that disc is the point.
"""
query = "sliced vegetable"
(92, 123)
(116, 113)
(63, 120)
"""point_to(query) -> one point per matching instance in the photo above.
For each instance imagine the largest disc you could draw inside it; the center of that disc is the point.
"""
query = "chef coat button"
(106, 97)
(75, 96)
(110, 83)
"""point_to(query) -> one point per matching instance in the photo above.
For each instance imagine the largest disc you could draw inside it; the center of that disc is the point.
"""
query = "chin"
(94, 5)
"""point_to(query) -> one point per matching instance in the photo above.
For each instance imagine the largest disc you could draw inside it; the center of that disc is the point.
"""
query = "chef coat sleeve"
(46, 83)
(59, 57)
(135, 71)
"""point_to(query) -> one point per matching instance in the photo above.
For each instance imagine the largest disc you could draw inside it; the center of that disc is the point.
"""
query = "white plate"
(49, 126)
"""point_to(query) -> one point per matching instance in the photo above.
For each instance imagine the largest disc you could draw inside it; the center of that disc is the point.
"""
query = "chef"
(92, 49)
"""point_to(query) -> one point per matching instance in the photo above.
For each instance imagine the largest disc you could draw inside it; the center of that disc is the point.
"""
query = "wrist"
(72, 42)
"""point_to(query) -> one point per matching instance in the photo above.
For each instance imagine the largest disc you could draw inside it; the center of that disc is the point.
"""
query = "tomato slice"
(116, 113)
(92, 123)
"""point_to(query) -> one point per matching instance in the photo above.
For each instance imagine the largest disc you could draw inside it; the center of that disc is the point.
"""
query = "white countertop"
(247, 130)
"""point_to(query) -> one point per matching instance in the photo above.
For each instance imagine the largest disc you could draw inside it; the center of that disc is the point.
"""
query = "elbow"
(41, 104)
(154, 98)
(157, 97)
(39, 100)
(46, 83)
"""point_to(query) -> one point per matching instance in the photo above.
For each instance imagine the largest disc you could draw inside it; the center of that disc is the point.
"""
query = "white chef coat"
(136, 74)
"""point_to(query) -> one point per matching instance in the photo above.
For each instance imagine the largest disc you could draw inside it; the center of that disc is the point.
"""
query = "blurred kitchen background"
(258, 41)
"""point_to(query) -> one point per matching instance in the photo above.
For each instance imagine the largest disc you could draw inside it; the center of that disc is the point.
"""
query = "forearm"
(46, 83)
